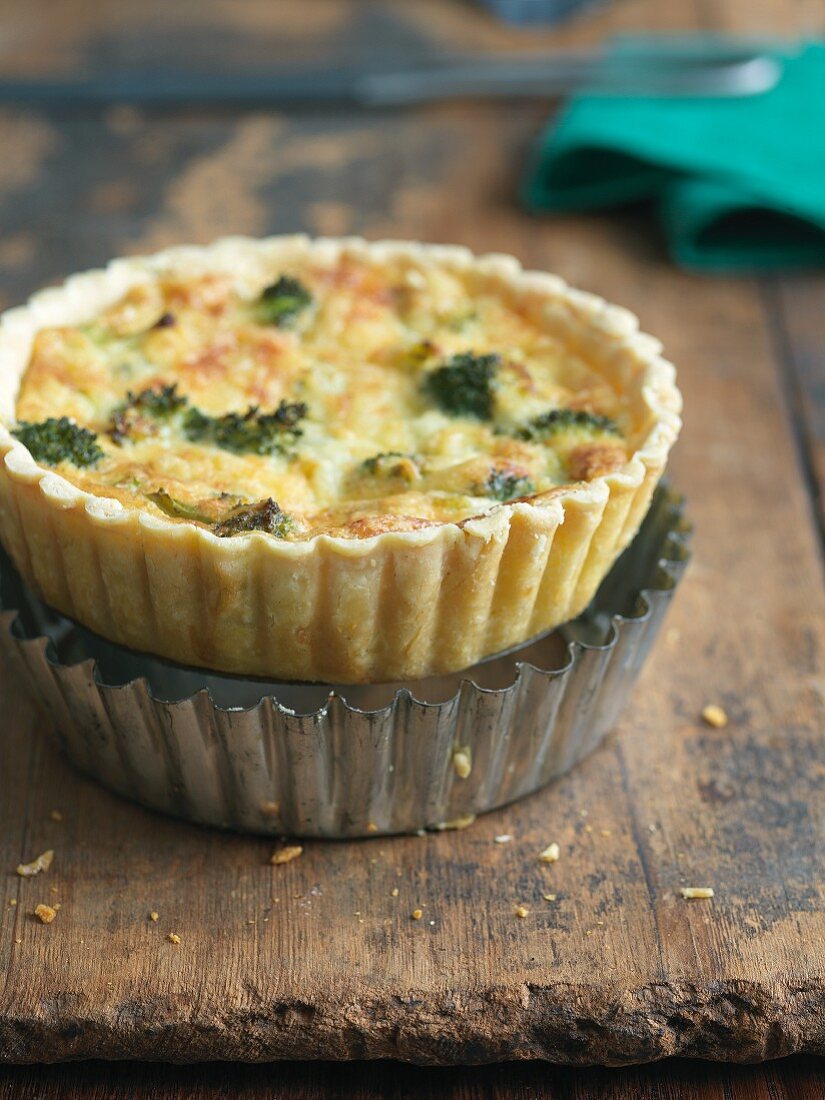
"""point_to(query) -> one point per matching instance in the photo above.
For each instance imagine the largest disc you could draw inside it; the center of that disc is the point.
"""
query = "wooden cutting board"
(319, 958)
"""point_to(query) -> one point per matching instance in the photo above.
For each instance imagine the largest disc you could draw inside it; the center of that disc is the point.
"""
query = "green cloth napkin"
(739, 183)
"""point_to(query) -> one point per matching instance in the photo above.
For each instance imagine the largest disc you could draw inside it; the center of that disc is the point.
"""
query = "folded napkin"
(739, 183)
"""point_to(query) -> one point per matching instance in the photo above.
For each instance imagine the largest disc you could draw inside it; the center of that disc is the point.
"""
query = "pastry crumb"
(416, 914)
(522, 911)
(550, 854)
(41, 863)
(696, 892)
(605, 832)
(173, 937)
(463, 762)
(285, 854)
(503, 838)
(394, 892)
(372, 827)
(549, 897)
(45, 913)
(714, 715)
(56, 815)
(153, 916)
(13, 902)
(462, 822)
(270, 809)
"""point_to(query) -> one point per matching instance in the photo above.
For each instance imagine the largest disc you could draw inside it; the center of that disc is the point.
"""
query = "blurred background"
(93, 166)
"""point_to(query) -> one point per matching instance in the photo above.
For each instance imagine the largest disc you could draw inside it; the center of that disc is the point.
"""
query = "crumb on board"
(503, 838)
(270, 809)
(416, 914)
(372, 827)
(45, 913)
(285, 854)
(550, 854)
(394, 892)
(696, 892)
(40, 863)
(462, 822)
(173, 937)
(714, 715)
(605, 832)
(56, 815)
(549, 897)
(153, 916)
(463, 762)
(522, 911)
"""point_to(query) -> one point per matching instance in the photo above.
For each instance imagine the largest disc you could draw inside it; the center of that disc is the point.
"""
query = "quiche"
(325, 460)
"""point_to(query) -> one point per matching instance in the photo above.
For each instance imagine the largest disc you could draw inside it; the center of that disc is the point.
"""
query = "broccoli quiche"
(325, 460)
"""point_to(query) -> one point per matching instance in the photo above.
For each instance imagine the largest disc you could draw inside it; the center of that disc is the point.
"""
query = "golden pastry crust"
(391, 565)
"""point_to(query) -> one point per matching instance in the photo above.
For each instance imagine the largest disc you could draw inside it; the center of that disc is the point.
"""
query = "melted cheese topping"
(376, 451)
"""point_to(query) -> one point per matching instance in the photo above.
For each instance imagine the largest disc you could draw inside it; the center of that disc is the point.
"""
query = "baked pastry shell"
(396, 606)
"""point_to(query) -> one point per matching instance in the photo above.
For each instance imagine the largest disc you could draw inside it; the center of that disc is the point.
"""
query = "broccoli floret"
(281, 303)
(464, 385)
(559, 420)
(252, 432)
(382, 463)
(59, 440)
(505, 485)
(264, 516)
(392, 464)
(177, 509)
(159, 403)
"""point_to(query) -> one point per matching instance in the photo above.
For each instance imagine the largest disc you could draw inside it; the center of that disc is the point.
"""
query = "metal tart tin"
(317, 760)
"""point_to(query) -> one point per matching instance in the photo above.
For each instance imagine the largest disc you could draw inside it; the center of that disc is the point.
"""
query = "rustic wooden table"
(619, 968)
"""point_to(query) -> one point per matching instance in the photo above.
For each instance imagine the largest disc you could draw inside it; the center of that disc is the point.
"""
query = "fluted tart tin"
(316, 760)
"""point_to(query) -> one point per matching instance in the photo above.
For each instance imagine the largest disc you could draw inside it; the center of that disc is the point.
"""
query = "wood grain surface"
(619, 968)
